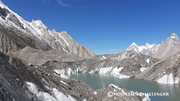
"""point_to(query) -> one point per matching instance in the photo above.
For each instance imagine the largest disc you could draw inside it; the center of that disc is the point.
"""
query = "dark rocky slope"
(24, 82)
(165, 71)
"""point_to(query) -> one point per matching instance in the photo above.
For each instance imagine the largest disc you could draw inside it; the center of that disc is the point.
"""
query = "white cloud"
(47, 1)
(63, 4)
(112, 49)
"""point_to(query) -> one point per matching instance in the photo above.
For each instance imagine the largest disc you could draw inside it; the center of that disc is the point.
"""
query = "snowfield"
(142, 69)
(168, 79)
(44, 96)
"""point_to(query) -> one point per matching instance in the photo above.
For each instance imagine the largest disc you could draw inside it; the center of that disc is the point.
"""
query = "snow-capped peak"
(134, 47)
(38, 23)
(173, 39)
(148, 45)
(134, 44)
(173, 35)
(148, 49)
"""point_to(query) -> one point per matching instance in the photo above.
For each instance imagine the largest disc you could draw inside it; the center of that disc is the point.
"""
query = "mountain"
(168, 48)
(126, 64)
(25, 48)
(61, 41)
(20, 81)
(165, 71)
(147, 49)
(16, 33)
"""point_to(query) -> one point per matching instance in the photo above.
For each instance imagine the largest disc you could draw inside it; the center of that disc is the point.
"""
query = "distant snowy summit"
(147, 49)
(166, 49)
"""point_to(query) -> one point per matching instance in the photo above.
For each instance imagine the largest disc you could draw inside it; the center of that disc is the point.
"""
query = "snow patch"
(65, 50)
(105, 70)
(64, 40)
(61, 73)
(61, 97)
(44, 96)
(115, 86)
(91, 72)
(116, 70)
(121, 76)
(70, 71)
(176, 80)
(173, 37)
(103, 57)
(64, 82)
(32, 88)
(146, 98)
(166, 79)
(142, 69)
(148, 60)
(95, 93)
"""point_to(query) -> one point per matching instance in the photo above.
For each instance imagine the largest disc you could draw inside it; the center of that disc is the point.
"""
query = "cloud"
(63, 4)
(47, 1)
(112, 49)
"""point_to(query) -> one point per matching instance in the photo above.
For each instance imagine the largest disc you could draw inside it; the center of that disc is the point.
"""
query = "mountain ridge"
(165, 49)
(38, 33)
(147, 49)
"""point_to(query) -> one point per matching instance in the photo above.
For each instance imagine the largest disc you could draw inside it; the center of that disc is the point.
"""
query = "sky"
(105, 26)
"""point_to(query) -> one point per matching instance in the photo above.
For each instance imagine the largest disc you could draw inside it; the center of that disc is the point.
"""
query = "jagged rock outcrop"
(168, 48)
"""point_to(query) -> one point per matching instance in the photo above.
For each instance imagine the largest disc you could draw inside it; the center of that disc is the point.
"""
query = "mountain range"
(147, 49)
(164, 50)
(35, 62)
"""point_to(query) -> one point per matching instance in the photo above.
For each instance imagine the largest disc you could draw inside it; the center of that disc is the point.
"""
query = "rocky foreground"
(20, 81)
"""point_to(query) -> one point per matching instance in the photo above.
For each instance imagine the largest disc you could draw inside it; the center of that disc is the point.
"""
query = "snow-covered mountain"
(168, 48)
(147, 49)
(16, 33)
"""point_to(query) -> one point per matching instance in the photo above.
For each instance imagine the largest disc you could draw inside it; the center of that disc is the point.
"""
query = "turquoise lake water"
(97, 81)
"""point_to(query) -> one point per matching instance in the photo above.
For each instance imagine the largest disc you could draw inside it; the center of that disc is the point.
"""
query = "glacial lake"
(97, 81)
